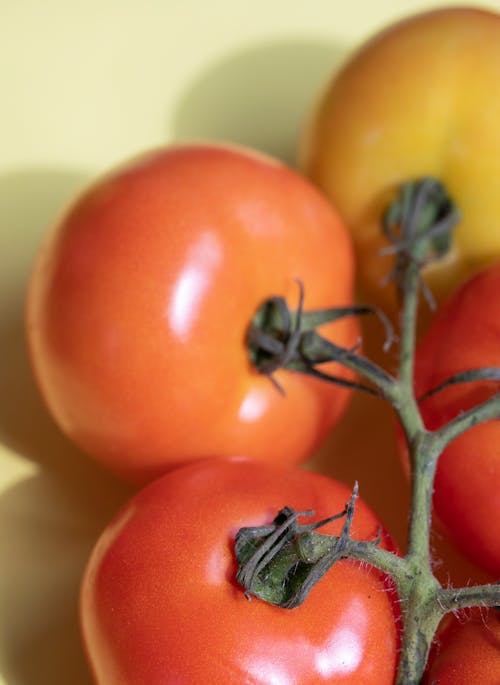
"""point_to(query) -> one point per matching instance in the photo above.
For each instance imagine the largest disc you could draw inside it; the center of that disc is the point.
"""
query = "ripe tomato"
(464, 335)
(141, 298)
(420, 98)
(468, 651)
(160, 604)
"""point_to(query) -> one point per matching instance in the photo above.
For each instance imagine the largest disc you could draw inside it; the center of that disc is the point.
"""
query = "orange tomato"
(421, 98)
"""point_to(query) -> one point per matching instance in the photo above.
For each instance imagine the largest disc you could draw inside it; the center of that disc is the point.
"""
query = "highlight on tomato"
(467, 650)
(141, 300)
(465, 335)
(160, 603)
(420, 98)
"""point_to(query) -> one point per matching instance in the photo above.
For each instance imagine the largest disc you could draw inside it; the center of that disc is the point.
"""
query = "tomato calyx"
(418, 224)
(282, 562)
(279, 338)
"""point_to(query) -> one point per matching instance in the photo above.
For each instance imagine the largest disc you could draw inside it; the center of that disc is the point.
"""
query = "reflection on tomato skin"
(160, 603)
(192, 285)
(344, 651)
(336, 656)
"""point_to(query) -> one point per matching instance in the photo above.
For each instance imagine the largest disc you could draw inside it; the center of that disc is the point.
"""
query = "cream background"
(85, 85)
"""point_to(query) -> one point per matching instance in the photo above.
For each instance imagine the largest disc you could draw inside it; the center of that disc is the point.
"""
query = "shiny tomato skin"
(160, 604)
(420, 98)
(467, 650)
(141, 298)
(465, 334)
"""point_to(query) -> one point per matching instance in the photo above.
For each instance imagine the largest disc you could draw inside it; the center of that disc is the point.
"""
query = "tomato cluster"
(139, 314)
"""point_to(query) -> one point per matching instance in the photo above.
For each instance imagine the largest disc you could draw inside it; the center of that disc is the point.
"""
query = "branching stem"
(295, 557)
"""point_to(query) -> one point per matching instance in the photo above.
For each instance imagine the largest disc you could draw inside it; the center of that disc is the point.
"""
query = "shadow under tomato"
(361, 449)
(259, 96)
(47, 530)
(30, 201)
(48, 521)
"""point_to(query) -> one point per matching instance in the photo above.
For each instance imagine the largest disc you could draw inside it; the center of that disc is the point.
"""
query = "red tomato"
(141, 299)
(468, 651)
(160, 604)
(466, 335)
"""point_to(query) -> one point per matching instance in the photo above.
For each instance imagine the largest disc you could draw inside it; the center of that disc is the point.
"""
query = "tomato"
(421, 98)
(465, 335)
(468, 651)
(160, 604)
(141, 298)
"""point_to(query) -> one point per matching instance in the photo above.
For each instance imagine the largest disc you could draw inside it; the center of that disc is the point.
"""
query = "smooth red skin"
(468, 651)
(465, 334)
(136, 375)
(159, 601)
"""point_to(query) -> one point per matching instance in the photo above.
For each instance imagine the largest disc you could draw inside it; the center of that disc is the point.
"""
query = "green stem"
(411, 421)
(487, 373)
(315, 318)
(485, 411)
(318, 350)
(452, 599)
(424, 467)
(279, 338)
(422, 616)
(408, 326)
(282, 562)
(416, 211)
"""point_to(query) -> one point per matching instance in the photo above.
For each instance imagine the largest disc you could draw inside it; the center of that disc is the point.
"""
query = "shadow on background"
(48, 527)
(49, 521)
(30, 201)
(259, 96)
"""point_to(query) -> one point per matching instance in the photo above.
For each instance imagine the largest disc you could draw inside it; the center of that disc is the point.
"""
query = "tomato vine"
(293, 557)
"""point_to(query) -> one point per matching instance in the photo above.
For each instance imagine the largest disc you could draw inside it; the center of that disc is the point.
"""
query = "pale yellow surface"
(84, 85)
